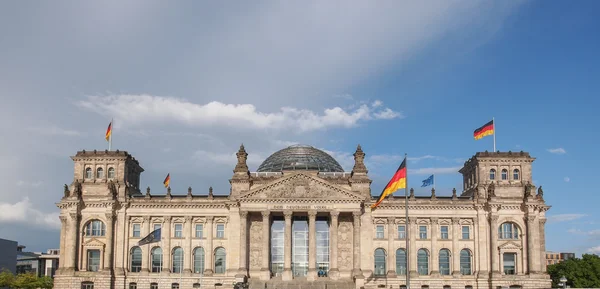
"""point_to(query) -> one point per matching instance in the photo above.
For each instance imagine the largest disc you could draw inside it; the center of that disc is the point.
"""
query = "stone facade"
(490, 235)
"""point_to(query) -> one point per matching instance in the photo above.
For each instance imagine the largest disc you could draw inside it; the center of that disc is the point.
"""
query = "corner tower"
(503, 174)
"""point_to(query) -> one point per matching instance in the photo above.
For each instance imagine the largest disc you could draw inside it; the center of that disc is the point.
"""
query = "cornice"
(301, 201)
(178, 206)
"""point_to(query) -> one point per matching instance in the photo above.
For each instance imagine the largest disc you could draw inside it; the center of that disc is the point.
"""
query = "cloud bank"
(23, 212)
(557, 151)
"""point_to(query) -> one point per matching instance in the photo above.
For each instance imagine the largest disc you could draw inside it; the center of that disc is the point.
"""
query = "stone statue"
(66, 191)
(454, 197)
(540, 193)
(210, 193)
(528, 190)
(359, 161)
(432, 193)
(242, 156)
(412, 193)
(491, 190)
(77, 189)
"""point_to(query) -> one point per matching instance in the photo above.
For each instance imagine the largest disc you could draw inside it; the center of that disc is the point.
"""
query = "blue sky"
(187, 84)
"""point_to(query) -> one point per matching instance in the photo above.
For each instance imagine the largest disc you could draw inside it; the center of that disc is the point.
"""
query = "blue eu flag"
(428, 181)
(151, 238)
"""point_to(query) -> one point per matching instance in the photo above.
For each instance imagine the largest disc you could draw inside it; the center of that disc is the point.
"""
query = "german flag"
(485, 130)
(108, 131)
(167, 180)
(397, 182)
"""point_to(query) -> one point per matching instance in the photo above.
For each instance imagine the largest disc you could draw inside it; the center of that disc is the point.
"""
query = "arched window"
(87, 285)
(174, 285)
(199, 260)
(465, 262)
(177, 260)
(444, 262)
(508, 230)
(136, 259)
(153, 285)
(379, 262)
(99, 173)
(111, 173)
(133, 285)
(220, 260)
(156, 257)
(515, 174)
(423, 262)
(492, 174)
(400, 262)
(447, 287)
(88, 173)
(95, 228)
(504, 175)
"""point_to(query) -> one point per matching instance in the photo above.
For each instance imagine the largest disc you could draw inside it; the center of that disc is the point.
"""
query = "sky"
(186, 84)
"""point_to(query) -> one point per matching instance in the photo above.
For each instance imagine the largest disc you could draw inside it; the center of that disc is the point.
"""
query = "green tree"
(580, 273)
(6, 278)
(26, 281)
(46, 282)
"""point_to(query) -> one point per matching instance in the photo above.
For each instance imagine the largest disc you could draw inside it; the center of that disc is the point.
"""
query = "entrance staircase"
(322, 283)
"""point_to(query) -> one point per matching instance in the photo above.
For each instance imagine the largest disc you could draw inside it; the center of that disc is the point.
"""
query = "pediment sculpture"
(300, 186)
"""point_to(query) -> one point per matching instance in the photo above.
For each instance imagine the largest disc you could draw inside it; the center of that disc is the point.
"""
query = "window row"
(177, 260)
(401, 234)
(89, 174)
(133, 285)
(423, 262)
(504, 174)
(178, 230)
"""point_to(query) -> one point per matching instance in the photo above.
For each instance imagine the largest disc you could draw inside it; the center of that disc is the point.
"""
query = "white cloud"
(437, 171)
(377, 103)
(594, 250)
(567, 179)
(22, 183)
(144, 109)
(558, 151)
(23, 212)
(564, 217)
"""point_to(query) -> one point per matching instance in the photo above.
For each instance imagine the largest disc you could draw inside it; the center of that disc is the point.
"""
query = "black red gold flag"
(397, 182)
(485, 130)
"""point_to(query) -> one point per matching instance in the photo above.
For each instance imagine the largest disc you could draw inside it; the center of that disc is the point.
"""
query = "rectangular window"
(174, 286)
(379, 232)
(509, 263)
(178, 231)
(153, 286)
(136, 230)
(465, 233)
(401, 232)
(132, 285)
(444, 232)
(422, 232)
(87, 285)
(93, 260)
(199, 229)
(220, 231)
(156, 227)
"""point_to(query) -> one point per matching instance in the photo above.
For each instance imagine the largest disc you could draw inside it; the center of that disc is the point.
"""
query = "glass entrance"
(277, 245)
(299, 246)
(322, 226)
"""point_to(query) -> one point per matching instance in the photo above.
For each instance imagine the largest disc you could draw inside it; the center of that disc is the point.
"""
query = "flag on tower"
(397, 182)
(108, 131)
(428, 181)
(167, 180)
(485, 130)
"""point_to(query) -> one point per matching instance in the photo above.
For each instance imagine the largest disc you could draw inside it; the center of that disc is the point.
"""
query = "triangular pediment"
(301, 186)
(93, 243)
(510, 246)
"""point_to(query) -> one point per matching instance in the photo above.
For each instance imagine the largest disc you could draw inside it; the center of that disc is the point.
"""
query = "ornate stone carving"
(455, 220)
(334, 214)
(146, 219)
(63, 220)
(242, 156)
(491, 190)
(391, 220)
(530, 220)
(412, 220)
(528, 189)
(209, 219)
(433, 194)
(494, 218)
(74, 216)
(77, 189)
(312, 214)
(67, 193)
(301, 186)
(434, 221)
(243, 214)
(265, 214)
(167, 219)
(540, 193)
(412, 194)
(189, 194)
(288, 214)
(112, 189)
(454, 196)
(188, 219)
(345, 236)
(109, 217)
(210, 193)
(359, 162)
(256, 244)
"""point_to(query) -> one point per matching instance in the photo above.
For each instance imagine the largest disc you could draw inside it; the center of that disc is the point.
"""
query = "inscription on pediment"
(300, 187)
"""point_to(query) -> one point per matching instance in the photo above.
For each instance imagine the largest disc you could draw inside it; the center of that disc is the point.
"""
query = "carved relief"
(345, 236)
(300, 187)
(256, 242)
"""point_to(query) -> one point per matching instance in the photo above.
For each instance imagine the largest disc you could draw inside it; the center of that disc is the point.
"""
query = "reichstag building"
(301, 221)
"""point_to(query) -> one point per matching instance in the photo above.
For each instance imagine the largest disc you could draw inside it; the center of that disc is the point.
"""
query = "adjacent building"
(41, 264)
(555, 258)
(8, 255)
(301, 219)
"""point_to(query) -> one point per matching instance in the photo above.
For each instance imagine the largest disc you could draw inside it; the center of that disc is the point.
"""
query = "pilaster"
(287, 258)
(412, 235)
(494, 244)
(166, 251)
(243, 243)
(187, 246)
(265, 273)
(532, 231)
(312, 245)
(391, 260)
(455, 257)
(73, 243)
(356, 271)
(435, 252)
(209, 252)
(108, 252)
(145, 231)
(334, 272)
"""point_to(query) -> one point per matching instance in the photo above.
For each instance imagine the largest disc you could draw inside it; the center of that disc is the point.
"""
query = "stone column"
(334, 272)
(108, 252)
(312, 245)
(412, 234)
(532, 231)
(494, 244)
(287, 246)
(265, 272)
(391, 261)
(208, 252)
(166, 250)
(243, 242)
(542, 250)
(144, 231)
(435, 252)
(73, 244)
(356, 271)
(187, 247)
(456, 235)
(64, 221)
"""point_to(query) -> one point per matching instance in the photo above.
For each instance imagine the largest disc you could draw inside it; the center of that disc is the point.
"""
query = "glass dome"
(300, 157)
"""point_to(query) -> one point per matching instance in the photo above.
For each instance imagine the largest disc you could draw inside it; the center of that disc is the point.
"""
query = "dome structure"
(300, 157)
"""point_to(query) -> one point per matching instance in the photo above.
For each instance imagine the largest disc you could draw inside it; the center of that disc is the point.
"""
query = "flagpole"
(407, 226)
(494, 122)
(433, 181)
